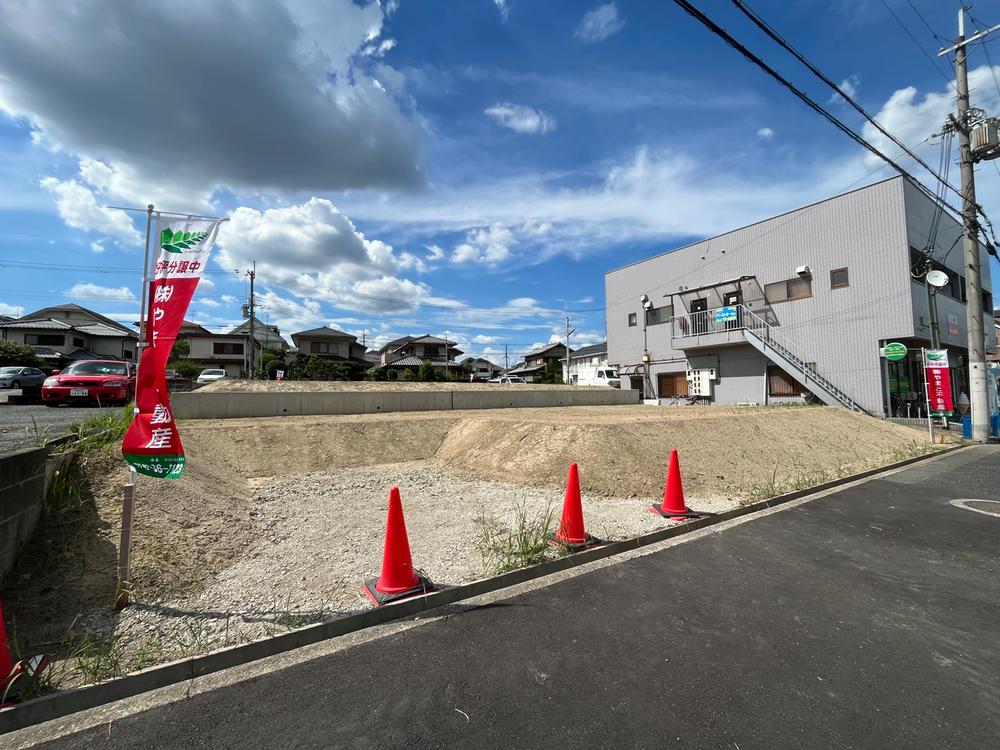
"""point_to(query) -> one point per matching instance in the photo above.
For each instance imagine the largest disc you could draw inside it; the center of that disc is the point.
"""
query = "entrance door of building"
(734, 299)
(670, 384)
(699, 316)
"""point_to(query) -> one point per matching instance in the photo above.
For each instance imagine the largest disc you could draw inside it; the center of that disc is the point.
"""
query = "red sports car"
(89, 381)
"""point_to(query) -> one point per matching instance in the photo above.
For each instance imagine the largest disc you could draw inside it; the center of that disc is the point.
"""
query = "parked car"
(21, 377)
(210, 376)
(104, 381)
(600, 376)
(508, 379)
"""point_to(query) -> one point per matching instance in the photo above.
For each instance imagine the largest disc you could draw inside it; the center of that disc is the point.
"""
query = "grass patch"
(769, 486)
(103, 429)
(519, 543)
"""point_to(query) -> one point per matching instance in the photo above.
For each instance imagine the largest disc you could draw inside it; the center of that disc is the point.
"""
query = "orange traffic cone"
(399, 578)
(571, 534)
(673, 506)
(15, 676)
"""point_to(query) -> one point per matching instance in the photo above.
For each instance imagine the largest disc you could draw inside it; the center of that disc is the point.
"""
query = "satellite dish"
(937, 278)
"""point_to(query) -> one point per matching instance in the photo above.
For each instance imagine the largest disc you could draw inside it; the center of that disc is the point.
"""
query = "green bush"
(408, 374)
(186, 368)
(426, 372)
(13, 354)
(392, 375)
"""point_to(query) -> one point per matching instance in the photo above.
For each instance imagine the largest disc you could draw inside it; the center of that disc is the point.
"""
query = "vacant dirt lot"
(277, 521)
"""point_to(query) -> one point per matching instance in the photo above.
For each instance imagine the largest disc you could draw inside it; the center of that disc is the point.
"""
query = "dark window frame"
(633, 320)
(787, 296)
(78, 342)
(45, 339)
(319, 347)
(227, 348)
(847, 278)
(662, 315)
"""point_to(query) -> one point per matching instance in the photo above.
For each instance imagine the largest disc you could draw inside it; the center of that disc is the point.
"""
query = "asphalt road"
(864, 619)
(21, 425)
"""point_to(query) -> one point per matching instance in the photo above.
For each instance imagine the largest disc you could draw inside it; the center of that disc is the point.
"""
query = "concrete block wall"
(232, 405)
(22, 490)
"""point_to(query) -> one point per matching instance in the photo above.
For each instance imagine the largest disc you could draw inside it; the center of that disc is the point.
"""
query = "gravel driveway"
(22, 424)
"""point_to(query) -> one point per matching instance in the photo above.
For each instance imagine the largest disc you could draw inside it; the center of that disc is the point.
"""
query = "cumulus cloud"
(849, 86)
(489, 246)
(94, 291)
(11, 310)
(259, 96)
(315, 251)
(598, 24)
(765, 134)
(503, 8)
(521, 118)
(97, 246)
(79, 208)
(482, 339)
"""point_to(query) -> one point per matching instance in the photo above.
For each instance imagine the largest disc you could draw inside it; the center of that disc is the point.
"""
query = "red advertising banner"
(938, 377)
(152, 445)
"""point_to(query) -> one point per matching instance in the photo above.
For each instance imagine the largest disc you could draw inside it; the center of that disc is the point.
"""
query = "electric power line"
(924, 52)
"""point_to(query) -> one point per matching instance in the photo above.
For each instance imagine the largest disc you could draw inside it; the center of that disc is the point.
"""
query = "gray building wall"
(868, 231)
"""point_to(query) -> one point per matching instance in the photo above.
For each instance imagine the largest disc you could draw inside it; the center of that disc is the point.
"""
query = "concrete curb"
(61, 704)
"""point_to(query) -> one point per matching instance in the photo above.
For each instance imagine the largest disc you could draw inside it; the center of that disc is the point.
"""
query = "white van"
(598, 376)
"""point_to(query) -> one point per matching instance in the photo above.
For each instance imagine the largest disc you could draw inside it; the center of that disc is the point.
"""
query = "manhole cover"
(989, 507)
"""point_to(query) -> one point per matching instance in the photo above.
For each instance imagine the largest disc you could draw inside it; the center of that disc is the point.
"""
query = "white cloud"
(435, 252)
(489, 246)
(598, 24)
(11, 310)
(97, 246)
(94, 291)
(378, 50)
(78, 207)
(765, 134)
(481, 339)
(314, 251)
(208, 302)
(521, 118)
(849, 86)
(271, 95)
(503, 8)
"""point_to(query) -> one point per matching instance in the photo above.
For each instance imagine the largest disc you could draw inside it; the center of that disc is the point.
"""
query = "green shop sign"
(894, 352)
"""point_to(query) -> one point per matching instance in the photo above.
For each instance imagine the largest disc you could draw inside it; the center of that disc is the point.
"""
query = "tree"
(13, 354)
(181, 350)
(186, 368)
(552, 373)
(426, 372)
(408, 374)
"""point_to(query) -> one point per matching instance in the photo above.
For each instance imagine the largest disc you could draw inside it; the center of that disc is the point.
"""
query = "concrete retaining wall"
(22, 490)
(230, 405)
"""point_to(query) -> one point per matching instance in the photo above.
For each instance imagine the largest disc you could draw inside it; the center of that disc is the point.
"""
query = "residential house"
(481, 369)
(330, 344)
(532, 369)
(220, 351)
(585, 363)
(266, 334)
(65, 333)
(409, 352)
(802, 302)
(995, 355)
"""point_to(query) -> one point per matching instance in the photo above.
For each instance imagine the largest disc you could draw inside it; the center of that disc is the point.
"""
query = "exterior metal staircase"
(782, 352)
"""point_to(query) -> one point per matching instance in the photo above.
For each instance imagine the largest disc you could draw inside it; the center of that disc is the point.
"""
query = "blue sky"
(471, 166)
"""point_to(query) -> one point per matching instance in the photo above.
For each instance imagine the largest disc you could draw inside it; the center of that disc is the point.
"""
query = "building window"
(788, 290)
(987, 301)
(839, 278)
(44, 339)
(78, 342)
(127, 354)
(632, 319)
(319, 347)
(226, 348)
(658, 315)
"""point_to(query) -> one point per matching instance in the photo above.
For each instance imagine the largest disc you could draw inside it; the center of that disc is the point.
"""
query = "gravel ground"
(321, 535)
(22, 424)
(236, 385)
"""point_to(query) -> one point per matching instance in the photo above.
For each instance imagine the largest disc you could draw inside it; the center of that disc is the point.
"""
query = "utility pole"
(568, 332)
(506, 362)
(978, 394)
(252, 273)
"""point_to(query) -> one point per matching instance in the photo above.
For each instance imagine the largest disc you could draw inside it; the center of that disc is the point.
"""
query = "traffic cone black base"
(378, 598)
(589, 541)
(675, 515)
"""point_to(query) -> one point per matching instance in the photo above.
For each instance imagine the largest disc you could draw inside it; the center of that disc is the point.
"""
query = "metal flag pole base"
(21, 678)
